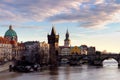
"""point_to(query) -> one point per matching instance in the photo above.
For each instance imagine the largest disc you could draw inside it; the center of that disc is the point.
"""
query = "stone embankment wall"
(5, 66)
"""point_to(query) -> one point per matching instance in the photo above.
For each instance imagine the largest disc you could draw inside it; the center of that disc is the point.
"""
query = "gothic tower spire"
(67, 40)
(53, 41)
(53, 32)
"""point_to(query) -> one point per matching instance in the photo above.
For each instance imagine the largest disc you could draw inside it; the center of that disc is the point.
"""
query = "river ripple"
(84, 72)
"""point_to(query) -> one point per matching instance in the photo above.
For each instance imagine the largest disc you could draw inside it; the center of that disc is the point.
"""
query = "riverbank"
(5, 66)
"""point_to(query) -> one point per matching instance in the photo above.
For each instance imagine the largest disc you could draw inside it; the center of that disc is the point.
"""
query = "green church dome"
(10, 32)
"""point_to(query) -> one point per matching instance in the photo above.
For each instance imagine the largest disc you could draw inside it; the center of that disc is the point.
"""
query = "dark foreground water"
(109, 71)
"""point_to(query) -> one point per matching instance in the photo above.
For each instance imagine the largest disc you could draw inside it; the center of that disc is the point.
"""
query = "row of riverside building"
(11, 49)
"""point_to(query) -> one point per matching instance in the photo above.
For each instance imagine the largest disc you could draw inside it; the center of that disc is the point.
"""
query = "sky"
(91, 22)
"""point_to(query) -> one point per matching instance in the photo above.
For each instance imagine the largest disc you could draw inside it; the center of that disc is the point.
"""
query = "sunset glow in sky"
(90, 22)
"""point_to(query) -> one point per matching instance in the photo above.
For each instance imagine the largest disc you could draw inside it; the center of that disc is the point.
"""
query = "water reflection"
(83, 72)
(6, 75)
(110, 63)
(53, 71)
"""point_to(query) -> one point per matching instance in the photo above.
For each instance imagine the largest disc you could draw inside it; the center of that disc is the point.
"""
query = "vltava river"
(109, 71)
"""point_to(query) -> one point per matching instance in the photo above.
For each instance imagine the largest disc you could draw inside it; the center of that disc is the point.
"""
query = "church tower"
(53, 41)
(67, 40)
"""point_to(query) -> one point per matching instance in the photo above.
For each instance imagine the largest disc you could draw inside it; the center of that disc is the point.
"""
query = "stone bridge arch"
(99, 60)
(113, 56)
(117, 60)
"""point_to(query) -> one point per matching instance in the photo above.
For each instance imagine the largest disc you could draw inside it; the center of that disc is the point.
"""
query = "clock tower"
(53, 40)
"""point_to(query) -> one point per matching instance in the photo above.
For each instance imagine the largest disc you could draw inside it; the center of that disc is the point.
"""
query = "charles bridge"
(92, 59)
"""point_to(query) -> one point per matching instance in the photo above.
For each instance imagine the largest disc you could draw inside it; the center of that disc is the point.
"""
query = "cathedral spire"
(53, 32)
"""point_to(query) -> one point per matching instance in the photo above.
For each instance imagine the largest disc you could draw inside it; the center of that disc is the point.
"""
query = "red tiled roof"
(13, 42)
(4, 40)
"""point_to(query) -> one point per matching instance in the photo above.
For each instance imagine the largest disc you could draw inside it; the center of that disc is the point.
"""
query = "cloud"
(87, 13)
(37, 10)
(23, 26)
(95, 15)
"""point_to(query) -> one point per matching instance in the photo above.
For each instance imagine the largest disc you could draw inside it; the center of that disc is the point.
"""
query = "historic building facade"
(91, 50)
(5, 50)
(44, 52)
(53, 41)
(10, 49)
(83, 49)
(65, 50)
(17, 48)
(31, 50)
(75, 50)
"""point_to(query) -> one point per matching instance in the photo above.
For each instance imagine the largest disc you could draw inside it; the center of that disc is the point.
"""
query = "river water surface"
(109, 71)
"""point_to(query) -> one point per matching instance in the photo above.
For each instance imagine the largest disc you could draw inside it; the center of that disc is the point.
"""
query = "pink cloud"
(90, 14)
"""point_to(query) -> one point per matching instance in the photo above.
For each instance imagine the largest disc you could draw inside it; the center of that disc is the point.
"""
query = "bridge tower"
(53, 41)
